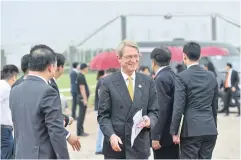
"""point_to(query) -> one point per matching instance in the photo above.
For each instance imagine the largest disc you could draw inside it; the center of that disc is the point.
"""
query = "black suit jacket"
(196, 97)
(116, 111)
(38, 123)
(165, 84)
(20, 80)
(97, 94)
(55, 86)
(234, 80)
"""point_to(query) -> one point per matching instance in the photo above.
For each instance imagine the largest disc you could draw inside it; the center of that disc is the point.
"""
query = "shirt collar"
(192, 65)
(125, 76)
(160, 69)
(39, 77)
(52, 79)
(76, 70)
(230, 71)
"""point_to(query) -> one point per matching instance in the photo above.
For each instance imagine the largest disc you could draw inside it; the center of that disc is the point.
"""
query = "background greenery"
(64, 83)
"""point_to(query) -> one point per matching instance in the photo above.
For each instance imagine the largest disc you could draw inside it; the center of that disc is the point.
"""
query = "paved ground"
(227, 147)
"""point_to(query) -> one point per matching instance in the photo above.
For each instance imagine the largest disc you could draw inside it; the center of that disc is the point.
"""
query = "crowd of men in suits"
(32, 107)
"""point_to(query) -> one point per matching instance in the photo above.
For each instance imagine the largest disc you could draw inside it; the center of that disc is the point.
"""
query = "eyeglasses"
(131, 56)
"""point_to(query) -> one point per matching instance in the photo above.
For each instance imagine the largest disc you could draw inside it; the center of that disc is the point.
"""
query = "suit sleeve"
(66, 119)
(215, 103)
(153, 109)
(236, 82)
(104, 111)
(179, 105)
(51, 109)
(164, 101)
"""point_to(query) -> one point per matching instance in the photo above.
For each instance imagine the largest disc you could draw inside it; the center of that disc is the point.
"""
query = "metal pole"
(123, 27)
(214, 27)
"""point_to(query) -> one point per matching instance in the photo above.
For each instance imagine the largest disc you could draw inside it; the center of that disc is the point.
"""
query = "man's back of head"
(60, 65)
(24, 63)
(42, 61)
(9, 73)
(192, 50)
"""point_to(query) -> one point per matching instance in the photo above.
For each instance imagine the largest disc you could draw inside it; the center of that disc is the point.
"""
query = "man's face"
(146, 71)
(130, 59)
(227, 68)
(86, 70)
(61, 70)
(52, 70)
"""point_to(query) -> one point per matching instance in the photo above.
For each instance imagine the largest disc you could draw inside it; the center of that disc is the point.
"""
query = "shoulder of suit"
(109, 77)
(144, 77)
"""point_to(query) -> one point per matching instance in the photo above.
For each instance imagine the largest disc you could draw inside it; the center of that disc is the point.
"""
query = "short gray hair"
(125, 43)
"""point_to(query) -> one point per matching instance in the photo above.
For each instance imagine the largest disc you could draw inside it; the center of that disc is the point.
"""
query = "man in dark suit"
(196, 97)
(52, 82)
(122, 95)
(230, 88)
(24, 67)
(73, 77)
(36, 110)
(162, 143)
(73, 140)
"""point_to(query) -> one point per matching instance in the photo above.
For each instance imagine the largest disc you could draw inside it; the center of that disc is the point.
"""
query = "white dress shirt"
(192, 65)
(6, 115)
(133, 76)
(229, 78)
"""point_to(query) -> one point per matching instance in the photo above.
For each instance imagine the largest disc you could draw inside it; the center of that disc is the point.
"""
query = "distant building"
(3, 58)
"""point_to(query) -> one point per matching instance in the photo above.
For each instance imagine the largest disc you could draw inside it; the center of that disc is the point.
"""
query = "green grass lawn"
(64, 83)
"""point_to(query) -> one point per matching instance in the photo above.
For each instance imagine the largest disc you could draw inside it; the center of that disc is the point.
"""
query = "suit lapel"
(54, 85)
(120, 85)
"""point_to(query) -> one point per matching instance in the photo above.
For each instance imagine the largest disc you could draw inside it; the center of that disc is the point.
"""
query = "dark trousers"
(228, 98)
(81, 118)
(169, 152)
(7, 143)
(200, 147)
(74, 104)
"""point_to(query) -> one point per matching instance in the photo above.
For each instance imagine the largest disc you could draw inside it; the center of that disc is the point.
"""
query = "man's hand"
(176, 139)
(74, 142)
(145, 122)
(84, 102)
(233, 89)
(71, 120)
(115, 141)
(156, 145)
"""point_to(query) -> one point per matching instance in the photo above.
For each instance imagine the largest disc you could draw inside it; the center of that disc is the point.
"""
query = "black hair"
(112, 70)
(25, 62)
(60, 59)
(230, 65)
(162, 56)
(143, 68)
(211, 68)
(9, 71)
(40, 57)
(75, 64)
(180, 68)
(192, 50)
(100, 74)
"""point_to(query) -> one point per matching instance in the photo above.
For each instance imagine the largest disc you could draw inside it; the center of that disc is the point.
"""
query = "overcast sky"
(60, 23)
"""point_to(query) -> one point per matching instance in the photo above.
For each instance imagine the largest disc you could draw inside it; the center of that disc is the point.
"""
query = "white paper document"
(135, 129)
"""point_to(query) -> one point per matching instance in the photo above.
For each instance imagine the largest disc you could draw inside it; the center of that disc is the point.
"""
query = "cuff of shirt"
(68, 136)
